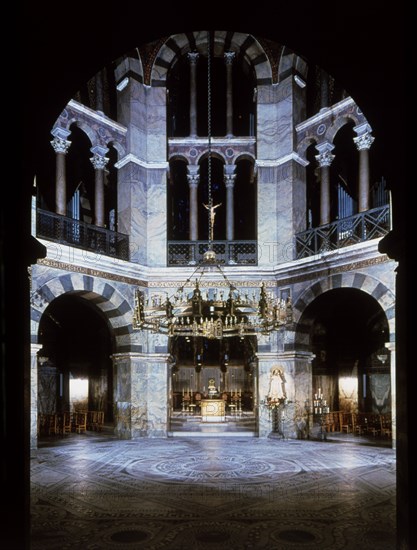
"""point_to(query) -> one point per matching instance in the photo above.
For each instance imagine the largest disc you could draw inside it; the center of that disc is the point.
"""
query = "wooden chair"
(52, 424)
(80, 422)
(386, 425)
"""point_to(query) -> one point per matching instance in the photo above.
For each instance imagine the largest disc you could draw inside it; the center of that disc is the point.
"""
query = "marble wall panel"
(267, 132)
(34, 349)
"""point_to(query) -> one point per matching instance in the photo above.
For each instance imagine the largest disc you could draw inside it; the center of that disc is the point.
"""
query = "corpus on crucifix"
(211, 209)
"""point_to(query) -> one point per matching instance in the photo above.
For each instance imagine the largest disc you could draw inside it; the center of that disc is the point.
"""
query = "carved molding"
(88, 271)
(353, 266)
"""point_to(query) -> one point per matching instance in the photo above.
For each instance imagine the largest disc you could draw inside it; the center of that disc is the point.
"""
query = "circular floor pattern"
(129, 536)
(296, 535)
(211, 468)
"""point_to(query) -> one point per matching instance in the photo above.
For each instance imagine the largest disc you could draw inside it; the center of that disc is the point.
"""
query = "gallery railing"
(183, 253)
(60, 229)
(371, 224)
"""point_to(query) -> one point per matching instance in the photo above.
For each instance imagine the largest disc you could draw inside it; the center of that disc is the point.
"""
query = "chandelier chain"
(210, 198)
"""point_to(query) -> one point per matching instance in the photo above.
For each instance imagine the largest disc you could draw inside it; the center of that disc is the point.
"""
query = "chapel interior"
(214, 347)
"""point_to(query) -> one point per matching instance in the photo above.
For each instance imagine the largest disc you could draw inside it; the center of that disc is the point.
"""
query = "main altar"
(213, 410)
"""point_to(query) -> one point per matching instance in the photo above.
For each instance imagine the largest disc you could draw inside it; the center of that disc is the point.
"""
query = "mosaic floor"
(93, 492)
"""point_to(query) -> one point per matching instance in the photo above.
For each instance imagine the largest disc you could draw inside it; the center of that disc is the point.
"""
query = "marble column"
(193, 58)
(391, 347)
(324, 158)
(99, 161)
(60, 146)
(140, 394)
(193, 177)
(229, 180)
(229, 57)
(324, 89)
(34, 350)
(363, 142)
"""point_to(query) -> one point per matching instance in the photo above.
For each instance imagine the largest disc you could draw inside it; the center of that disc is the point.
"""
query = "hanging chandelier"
(194, 311)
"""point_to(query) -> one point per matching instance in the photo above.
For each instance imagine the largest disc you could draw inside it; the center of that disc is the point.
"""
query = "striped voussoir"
(365, 283)
(243, 44)
(113, 306)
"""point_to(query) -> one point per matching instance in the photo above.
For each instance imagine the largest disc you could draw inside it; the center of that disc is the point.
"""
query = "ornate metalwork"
(60, 229)
(200, 312)
(186, 253)
(371, 224)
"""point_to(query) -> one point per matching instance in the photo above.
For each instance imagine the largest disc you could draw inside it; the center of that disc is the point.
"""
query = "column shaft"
(60, 146)
(325, 158)
(325, 195)
(363, 142)
(193, 178)
(229, 56)
(193, 57)
(99, 162)
(60, 185)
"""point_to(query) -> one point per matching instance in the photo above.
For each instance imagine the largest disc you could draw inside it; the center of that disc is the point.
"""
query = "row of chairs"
(70, 422)
(358, 423)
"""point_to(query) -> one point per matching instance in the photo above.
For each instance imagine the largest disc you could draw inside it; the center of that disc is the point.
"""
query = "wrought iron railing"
(61, 229)
(361, 227)
(227, 252)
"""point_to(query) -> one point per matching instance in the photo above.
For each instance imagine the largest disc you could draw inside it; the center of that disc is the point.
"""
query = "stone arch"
(214, 154)
(115, 307)
(361, 281)
(121, 151)
(244, 44)
(338, 124)
(174, 156)
(304, 144)
(86, 128)
(245, 156)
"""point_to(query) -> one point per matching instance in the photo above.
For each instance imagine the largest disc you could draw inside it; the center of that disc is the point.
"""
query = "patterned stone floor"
(93, 492)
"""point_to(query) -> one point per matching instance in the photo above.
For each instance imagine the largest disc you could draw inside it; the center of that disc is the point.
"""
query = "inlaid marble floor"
(93, 492)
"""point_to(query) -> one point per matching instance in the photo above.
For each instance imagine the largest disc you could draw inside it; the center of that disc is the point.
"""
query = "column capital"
(229, 57)
(60, 145)
(364, 141)
(229, 180)
(99, 162)
(193, 57)
(325, 157)
(193, 180)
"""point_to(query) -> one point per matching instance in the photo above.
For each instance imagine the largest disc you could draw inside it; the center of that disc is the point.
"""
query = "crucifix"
(211, 209)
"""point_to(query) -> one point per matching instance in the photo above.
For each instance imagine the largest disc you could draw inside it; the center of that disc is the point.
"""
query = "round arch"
(360, 281)
(115, 307)
(180, 44)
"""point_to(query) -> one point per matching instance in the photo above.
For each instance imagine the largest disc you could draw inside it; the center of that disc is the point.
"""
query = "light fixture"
(196, 310)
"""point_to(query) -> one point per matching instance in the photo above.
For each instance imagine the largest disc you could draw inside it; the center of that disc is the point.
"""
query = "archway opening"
(348, 330)
(205, 372)
(75, 367)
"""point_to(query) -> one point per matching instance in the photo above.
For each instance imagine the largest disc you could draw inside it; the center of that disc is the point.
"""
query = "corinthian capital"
(192, 57)
(60, 145)
(229, 57)
(193, 180)
(325, 157)
(229, 180)
(364, 141)
(99, 162)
